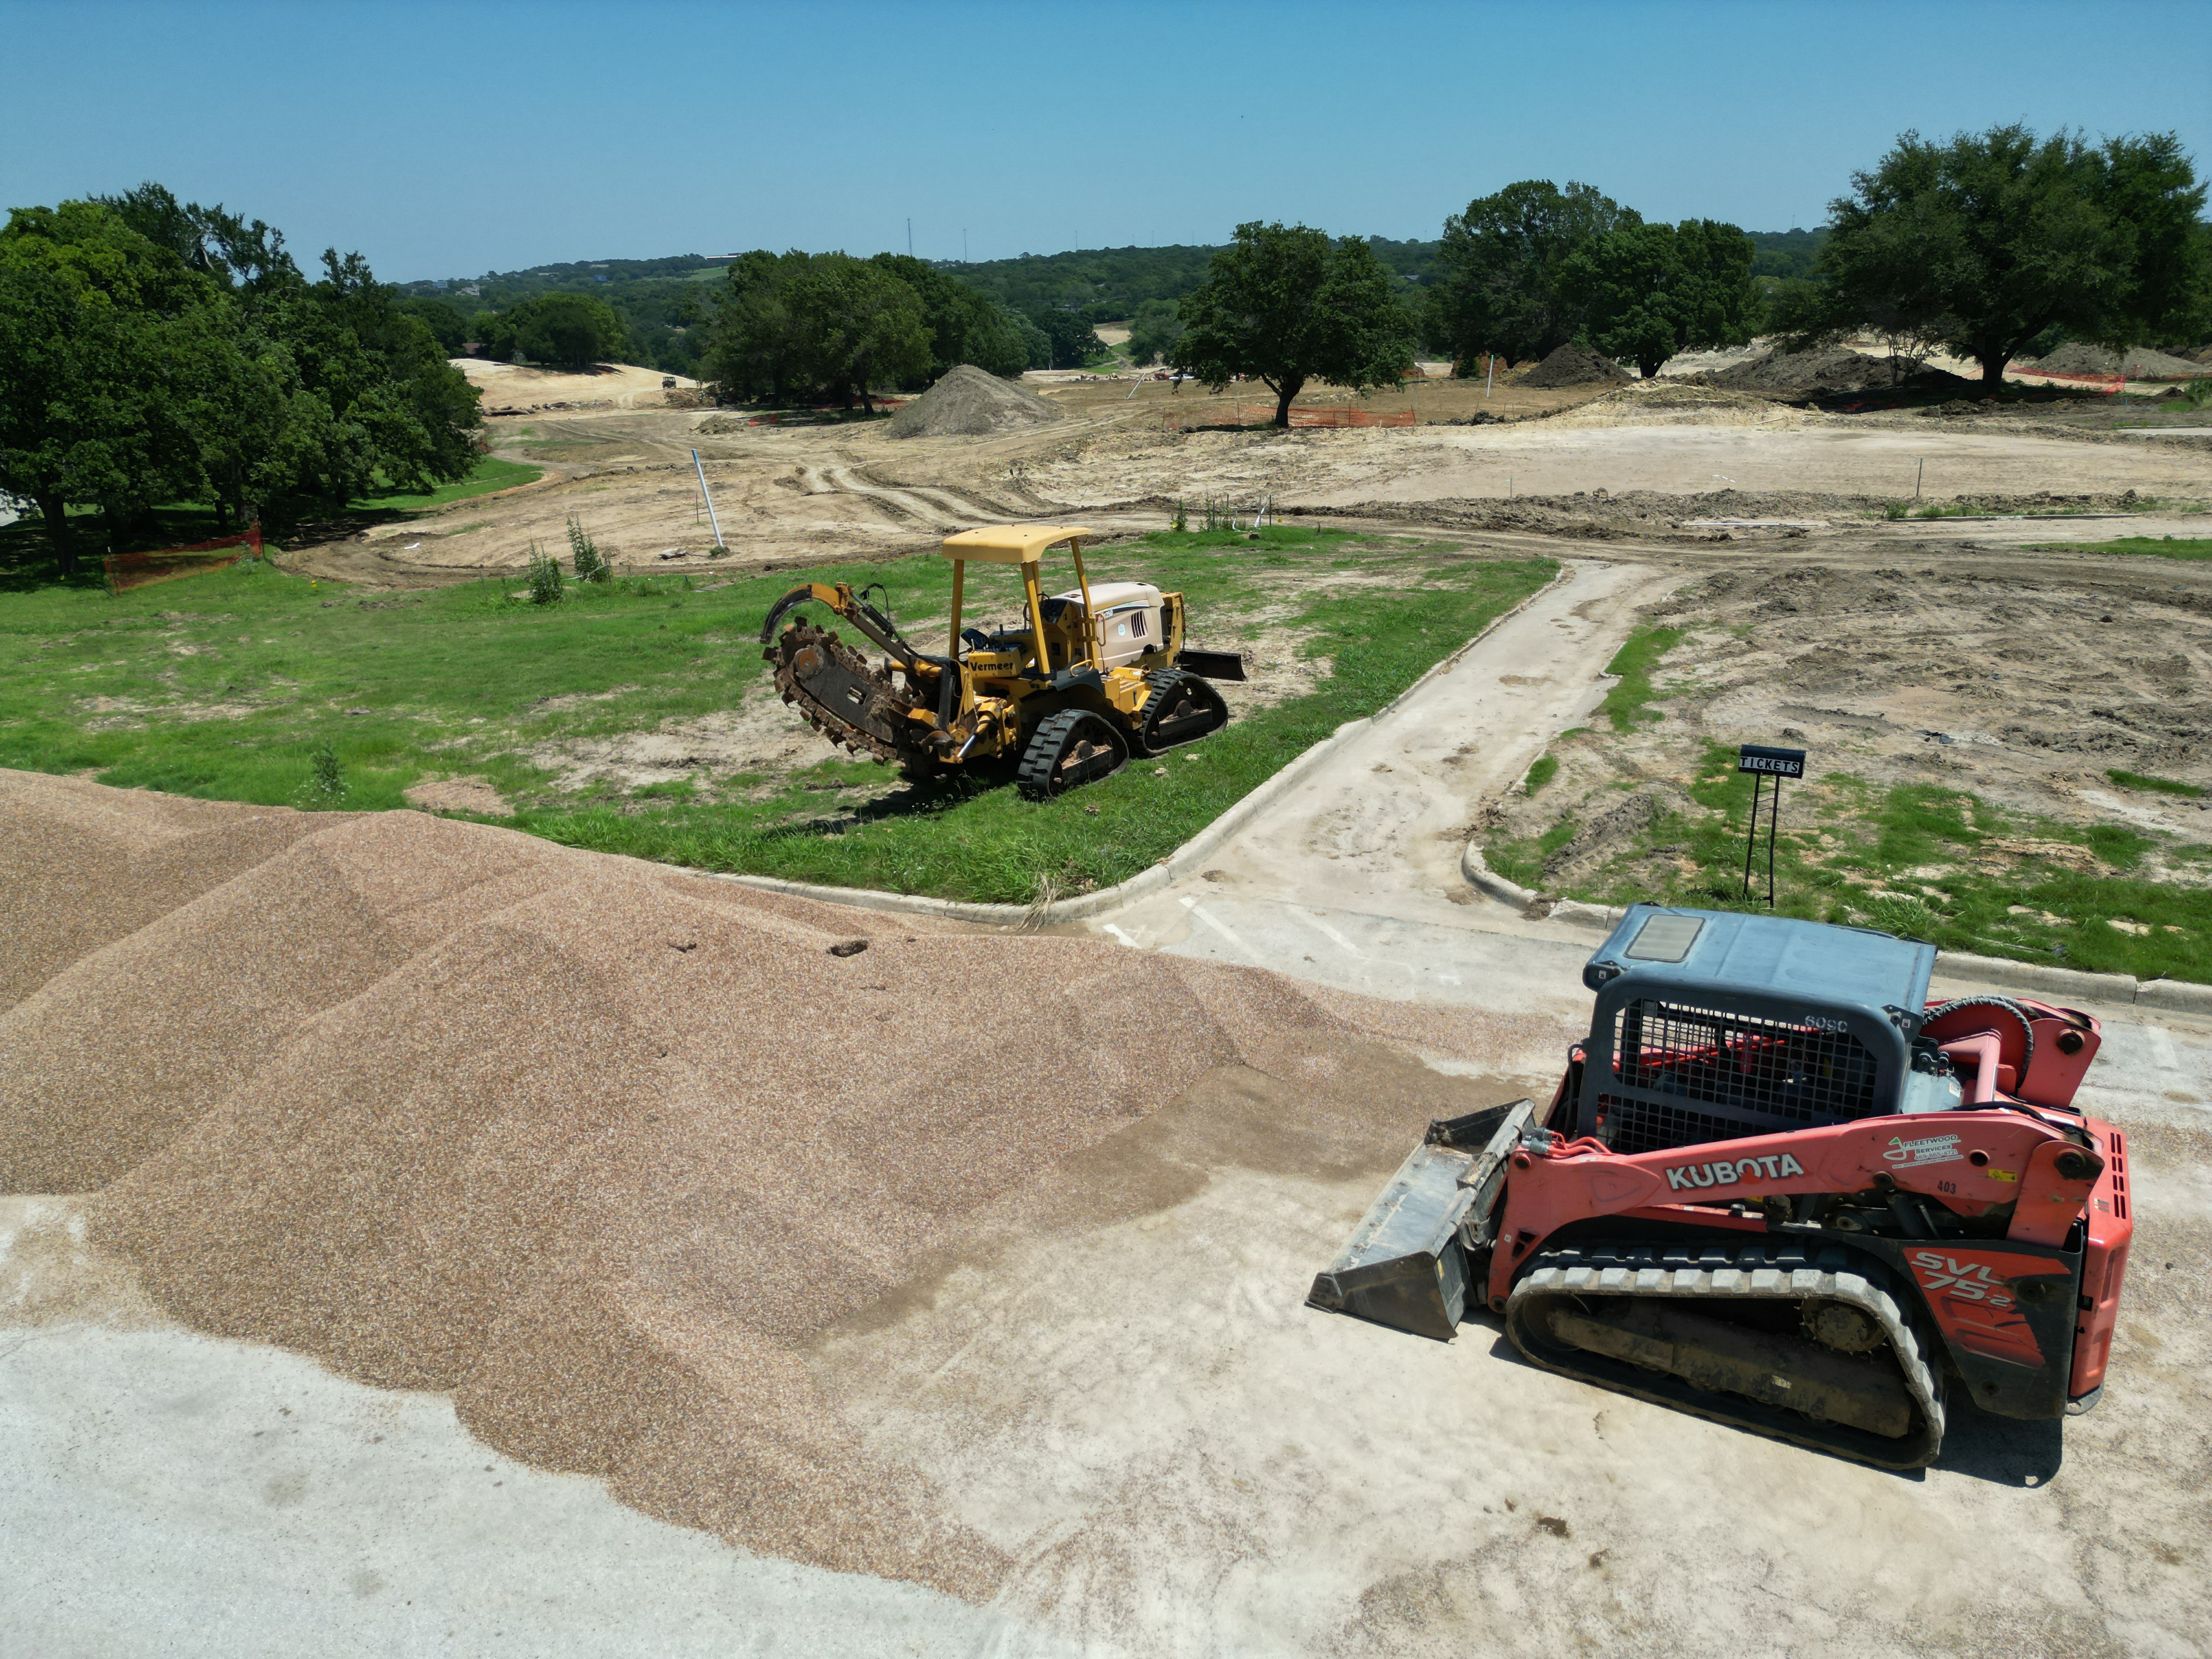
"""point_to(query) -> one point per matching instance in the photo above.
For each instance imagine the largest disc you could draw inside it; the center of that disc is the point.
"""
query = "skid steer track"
(842, 698)
(1662, 1322)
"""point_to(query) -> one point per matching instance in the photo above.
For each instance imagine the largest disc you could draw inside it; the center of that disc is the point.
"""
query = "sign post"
(1762, 763)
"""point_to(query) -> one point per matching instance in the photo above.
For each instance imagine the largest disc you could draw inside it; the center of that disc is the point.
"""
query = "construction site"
(1286, 1249)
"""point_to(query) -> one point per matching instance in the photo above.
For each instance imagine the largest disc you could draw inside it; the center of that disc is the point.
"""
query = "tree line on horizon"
(153, 351)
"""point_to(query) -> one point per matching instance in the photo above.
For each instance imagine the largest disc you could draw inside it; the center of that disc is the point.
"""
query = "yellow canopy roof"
(1009, 544)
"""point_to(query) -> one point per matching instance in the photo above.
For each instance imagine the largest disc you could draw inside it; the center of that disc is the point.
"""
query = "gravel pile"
(1833, 368)
(593, 1145)
(968, 403)
(2137, 362)
(1575, 365)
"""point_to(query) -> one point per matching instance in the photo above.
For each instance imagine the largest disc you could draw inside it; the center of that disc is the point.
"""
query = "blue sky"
(450, 139)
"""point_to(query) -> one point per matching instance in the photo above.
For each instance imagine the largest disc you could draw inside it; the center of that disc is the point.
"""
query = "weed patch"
(2156, 785)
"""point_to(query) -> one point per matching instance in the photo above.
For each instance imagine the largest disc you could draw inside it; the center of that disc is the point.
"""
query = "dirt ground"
(790, 495)
(2022, 678)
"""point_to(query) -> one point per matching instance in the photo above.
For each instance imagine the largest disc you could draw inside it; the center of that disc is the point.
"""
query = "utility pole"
(964, 244)
(909, 238)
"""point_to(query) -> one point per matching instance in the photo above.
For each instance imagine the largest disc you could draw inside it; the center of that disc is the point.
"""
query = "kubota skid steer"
(1778, 1188)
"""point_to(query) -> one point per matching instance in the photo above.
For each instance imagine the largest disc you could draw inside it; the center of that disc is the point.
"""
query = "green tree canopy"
(859, 325)
(1285, 305)
(964, 326)
(795, 323)
(1649, 291)
(1153, 332)
(1501, 283)
(153, 351)
(570, 331)
(1979, 244)
(1072, 340)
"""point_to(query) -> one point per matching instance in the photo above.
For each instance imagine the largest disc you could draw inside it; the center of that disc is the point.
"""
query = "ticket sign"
(1771, 762)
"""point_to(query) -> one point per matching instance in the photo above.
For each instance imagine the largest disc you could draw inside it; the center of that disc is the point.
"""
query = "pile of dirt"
(2137, 362)
(594, 1145)
(1793, 373)
(1574, 365)
(968, 403)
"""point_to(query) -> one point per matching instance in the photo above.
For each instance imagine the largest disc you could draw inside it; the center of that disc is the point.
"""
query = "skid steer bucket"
(1405, 1264)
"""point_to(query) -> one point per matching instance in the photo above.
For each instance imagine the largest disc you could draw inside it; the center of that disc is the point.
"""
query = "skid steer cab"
(1780, 1187)
(1069, 688)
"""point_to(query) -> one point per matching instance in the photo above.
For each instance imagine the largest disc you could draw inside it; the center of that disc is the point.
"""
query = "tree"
(1073, 341)
(153, 351)
(1501, 282)
(90, 315)
(1979, 244)
(1153, 332)
(1285, 305)
(570, 331)
(857, 325)
(447, 326)
(1649, 291)
(964, 327)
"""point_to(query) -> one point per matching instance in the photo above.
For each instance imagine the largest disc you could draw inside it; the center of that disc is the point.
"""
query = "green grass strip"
(491, 474)
(1625, 703)
(2157, 785)
(2156, 547)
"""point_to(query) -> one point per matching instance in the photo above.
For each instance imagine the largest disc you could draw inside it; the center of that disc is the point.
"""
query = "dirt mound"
(967, 402)
(2137, 362)
(1833, 368)
(594, 1145)
(1575, 365)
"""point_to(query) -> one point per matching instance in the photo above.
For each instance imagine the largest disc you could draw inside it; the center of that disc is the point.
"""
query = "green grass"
(491, 474)
(1542, 771)
(1626, 703)
(1929, 848)
(1521, 862)
(2157, 785)
(2157, 547)
(225, 686)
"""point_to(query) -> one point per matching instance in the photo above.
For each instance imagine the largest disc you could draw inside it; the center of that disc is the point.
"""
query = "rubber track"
(1719, 1271)
(1046, 745)
(1163, 681)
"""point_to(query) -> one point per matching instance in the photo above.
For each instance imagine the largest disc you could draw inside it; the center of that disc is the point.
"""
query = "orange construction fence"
(129, 570)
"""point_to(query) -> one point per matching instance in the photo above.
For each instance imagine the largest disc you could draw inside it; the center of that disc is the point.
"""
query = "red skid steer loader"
(1778, 1188)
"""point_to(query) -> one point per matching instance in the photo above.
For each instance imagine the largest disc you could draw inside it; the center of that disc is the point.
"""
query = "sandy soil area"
(513, 388)
(795, 495)
(2022, 677)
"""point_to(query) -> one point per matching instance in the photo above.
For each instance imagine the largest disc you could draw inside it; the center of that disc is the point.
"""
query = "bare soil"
(2020, 678)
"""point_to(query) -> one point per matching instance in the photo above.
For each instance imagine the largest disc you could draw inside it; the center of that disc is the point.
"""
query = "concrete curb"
(1198, 848)
(2176, 996)
(1178, 863)
(1535, 906)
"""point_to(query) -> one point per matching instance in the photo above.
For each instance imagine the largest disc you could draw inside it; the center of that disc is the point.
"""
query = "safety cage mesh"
(1746, 1068)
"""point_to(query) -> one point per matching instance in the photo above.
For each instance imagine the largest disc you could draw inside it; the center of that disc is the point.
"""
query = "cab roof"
(1011, 543)
(1683, 951)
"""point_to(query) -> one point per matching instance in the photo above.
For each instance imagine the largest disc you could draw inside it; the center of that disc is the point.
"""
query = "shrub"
(590, 566)
(545, 584)
(325, 785)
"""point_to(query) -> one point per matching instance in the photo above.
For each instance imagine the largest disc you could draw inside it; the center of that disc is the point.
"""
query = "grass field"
(491, 474)
(2156, 547)
(1927, 862)
(226, 686)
